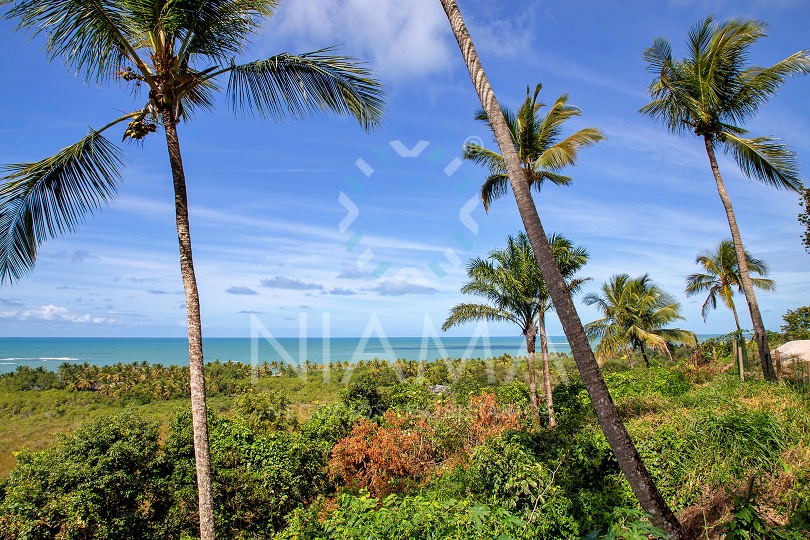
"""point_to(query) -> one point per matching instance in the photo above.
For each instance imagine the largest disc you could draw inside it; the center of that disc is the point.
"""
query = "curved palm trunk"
(644, 356)
(202, 455)
(531, 340)
(748, 287)
(736, 318)
(623, 448)
(541, 325)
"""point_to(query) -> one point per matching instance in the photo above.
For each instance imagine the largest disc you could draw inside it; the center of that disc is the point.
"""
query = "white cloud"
(282, 282)
(400, 287)
(398, 39)
(54, 313)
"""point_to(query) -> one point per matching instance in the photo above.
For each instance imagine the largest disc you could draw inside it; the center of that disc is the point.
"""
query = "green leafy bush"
(413, 517)
(330, 424)
(101, 482)
(264, 411)
(257, 478)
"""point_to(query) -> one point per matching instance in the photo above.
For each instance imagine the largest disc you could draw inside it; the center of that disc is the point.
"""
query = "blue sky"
(300, 223)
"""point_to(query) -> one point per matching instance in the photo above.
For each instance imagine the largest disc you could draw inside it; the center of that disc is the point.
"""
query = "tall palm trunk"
(541, 325)
(736, 318)
(202, 456)
(531, 342)
(626, 454)
(748, 287)
(644, 356)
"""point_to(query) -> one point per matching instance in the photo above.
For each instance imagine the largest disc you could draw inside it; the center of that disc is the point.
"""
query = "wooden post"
(777, 356)
(741, 363)
(734, 348)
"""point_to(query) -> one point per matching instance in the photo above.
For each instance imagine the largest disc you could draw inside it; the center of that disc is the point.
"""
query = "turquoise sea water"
(50, 352)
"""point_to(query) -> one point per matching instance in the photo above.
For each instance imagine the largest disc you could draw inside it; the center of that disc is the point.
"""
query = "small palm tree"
(570, 260)
(722, 277)
(175, 52)
(636, 312)
(537, 140)
(711, 93)
(512, 284)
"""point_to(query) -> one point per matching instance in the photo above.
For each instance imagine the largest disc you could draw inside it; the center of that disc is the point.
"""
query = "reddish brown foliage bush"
(405, 449)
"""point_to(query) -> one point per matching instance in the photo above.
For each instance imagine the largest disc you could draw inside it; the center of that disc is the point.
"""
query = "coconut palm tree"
(711, 93)
(537, 141)
(636, 312)
(638, 477)
(170, 55)
(513, 286)
(570, 260)
(510, 282)
(722, 277)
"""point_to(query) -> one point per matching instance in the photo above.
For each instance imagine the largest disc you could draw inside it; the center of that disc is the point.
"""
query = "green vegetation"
(537, 139)
(711, 93)
(722, 277)
(635, 311)
(381, 454)
(797, 323)
(512, 285)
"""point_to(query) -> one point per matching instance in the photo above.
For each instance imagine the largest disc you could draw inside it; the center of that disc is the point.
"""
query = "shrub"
(384, 458)
(797, 323)
(257, 478)
(330, 424)
(414, 517)
(101, 482)
(503, 471)
(264, 411)
(366, 393)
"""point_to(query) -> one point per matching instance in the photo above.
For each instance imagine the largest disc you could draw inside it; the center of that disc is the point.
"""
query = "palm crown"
(636, 311)
(537, 139)
(722, 277)
(175, 51)
(712, 93)
(512, 284)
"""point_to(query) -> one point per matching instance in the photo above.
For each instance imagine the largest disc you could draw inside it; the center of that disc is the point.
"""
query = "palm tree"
(537, 141)
(611, 423)
(723, 276)
(711, 93)
(175, 52)
(513, 286)
(635, 314)
(570, 260)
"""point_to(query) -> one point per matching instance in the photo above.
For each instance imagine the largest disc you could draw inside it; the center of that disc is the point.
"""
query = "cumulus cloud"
(396, 287)
(78, 256)
(133, 279)
(9, 303)
(53, 313)
(340, 291)
(281, 282)
(251, 312)
(350, 271)
(398, 39)
(240, 290)
(156, 291)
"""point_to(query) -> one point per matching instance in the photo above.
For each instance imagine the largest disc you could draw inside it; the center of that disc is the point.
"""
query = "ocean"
(51, 352)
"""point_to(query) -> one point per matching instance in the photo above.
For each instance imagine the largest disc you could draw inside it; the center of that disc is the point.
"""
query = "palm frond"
(50, 197)
(466, 313)
(483, 156)
(757, 84)
(565, 153)
(766, 160)
(217, 28)
(495, 187)
(286, 85)
(91, 36)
